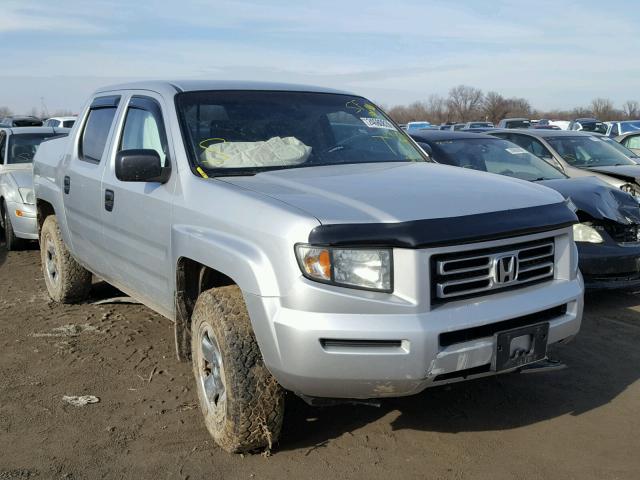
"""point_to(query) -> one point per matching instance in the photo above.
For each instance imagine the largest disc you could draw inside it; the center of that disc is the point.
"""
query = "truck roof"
(167, 86)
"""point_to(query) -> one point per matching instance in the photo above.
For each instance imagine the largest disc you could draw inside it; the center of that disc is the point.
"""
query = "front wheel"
(66, 280)
(242, 403)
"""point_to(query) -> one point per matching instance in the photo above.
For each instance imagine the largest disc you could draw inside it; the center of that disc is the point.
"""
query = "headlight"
(28, 198)
(630, 189)
(583, 232)
(365, 268)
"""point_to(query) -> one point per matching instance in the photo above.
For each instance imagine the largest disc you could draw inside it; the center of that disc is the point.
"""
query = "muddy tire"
(11, 241)
(242, 403)
(66, 280)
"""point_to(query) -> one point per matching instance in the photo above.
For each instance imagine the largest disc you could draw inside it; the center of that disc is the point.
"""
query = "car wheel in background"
(12, 242)
(242, 403)
(66, 280)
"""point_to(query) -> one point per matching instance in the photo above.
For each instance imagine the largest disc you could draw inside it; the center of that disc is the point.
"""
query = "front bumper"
(24, 225)
(610, 265)
(413, 357)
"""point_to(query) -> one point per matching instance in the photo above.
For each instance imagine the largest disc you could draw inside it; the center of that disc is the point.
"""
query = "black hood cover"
(598, 199)
(624, 172)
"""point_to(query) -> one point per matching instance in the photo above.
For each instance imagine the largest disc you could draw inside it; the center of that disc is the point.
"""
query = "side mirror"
(140, 166)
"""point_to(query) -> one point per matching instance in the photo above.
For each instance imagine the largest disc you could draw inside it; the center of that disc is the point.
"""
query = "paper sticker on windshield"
(378, 123)
(516, 150)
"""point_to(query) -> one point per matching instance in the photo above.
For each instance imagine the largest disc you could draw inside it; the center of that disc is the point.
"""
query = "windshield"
(626, 127)
(246, 132)
(518, 124)
(495, 156)
(27, 122)
(23, 146)
(588, 151)
(480, 125)
(597, 127)
(418, 125)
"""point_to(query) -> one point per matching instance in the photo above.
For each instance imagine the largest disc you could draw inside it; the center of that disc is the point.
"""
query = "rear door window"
(97, 127)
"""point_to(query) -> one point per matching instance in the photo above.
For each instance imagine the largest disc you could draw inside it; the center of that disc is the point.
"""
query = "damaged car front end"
(608, 235)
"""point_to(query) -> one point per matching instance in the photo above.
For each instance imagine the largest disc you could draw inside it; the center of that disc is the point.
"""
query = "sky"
(556, 53)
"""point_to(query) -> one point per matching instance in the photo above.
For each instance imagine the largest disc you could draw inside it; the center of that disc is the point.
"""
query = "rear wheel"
(11, 241)
(242, 403)
(66, 280)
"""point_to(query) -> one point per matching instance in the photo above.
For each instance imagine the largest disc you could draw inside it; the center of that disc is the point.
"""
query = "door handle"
(67, 184)
(108, 200)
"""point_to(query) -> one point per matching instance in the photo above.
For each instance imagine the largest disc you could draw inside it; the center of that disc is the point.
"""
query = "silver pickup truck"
(300, 241)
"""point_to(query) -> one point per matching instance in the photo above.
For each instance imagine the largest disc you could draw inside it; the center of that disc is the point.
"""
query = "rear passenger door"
(137, 224)
(82, 180)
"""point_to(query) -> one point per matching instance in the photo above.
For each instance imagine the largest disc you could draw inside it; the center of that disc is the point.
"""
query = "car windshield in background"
(23, 146)
(626, 127)
(588, 151)
(519, 124)
(494, 156)
(27, 122)
(597, 127)
(481, 125)
(246, 132)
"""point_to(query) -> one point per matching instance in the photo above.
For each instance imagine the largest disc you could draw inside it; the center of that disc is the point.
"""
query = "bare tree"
(631, 109)
(518, 107)
(5, 112)
(603, 109)
(437, 109)
(464, 102)
(494, 107)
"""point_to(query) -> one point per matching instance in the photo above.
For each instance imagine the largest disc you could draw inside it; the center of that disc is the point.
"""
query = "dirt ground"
(579, 423)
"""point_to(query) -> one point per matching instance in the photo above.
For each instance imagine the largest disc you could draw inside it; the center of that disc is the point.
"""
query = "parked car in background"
(608, 235)
(8, 122)
(454, 127)
(579, 154)
(415, 126)
(17, 204)
(446, 125)
(630, 140)
(514, 123)
(469, 125)
(62, 122)
(615, 129)
(340, 264)
(588, 125)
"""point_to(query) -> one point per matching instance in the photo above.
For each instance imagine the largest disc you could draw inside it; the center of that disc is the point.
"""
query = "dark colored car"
(8, 122)
(608, 235)
(588, 125)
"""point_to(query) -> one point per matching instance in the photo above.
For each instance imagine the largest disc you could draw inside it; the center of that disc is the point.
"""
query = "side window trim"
(108, 101)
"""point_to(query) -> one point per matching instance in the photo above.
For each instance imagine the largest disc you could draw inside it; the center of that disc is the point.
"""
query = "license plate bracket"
(509, 355)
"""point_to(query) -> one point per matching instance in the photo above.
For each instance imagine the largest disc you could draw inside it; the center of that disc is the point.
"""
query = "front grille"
(622, 233)
(473, 273)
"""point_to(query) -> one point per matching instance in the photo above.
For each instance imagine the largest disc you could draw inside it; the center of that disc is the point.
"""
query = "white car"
(17, 206)
(60, 122)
